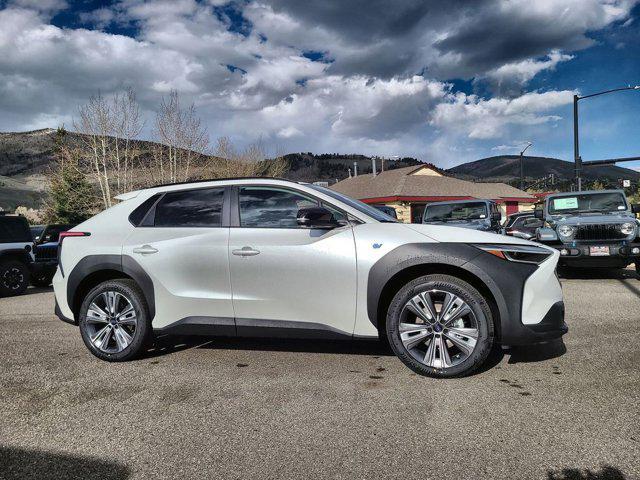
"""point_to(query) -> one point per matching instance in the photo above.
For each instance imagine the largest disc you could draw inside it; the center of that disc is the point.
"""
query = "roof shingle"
(400, 183)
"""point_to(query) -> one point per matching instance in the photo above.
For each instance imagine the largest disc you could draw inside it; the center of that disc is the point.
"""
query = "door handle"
(145, 250)
(245, 252)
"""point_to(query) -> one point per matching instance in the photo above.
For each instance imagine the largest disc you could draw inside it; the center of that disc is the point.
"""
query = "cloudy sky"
(445, 82)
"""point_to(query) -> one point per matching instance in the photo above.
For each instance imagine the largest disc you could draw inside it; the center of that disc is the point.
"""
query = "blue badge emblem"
(377, 245)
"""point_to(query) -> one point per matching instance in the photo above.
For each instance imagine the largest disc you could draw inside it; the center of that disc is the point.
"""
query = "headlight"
(627, 228)
(517, 253)
(565, 231)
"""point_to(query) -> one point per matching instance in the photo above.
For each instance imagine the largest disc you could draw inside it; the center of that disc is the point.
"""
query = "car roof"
(570, 194)
(474, 200)
(167, 187)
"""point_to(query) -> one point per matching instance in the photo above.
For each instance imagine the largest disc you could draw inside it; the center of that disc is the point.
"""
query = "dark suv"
(16, 246)
(45, 252)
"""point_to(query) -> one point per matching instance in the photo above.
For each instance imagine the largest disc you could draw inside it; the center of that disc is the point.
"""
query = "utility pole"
(576, 147)
(522, 165)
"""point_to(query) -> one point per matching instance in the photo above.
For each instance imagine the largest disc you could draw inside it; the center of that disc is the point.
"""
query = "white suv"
(267, 257)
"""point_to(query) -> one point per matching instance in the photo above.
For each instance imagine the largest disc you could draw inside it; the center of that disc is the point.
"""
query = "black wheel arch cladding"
(121, 263)
(505, 280)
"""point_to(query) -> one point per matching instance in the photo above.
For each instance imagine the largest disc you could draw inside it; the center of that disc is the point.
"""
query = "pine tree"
(71, 197)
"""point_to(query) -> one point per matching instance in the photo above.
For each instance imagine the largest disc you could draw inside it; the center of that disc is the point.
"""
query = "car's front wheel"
(440, 326)
(114, 321)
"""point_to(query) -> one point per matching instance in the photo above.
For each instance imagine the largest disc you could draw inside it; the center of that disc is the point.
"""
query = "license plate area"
(599, 251)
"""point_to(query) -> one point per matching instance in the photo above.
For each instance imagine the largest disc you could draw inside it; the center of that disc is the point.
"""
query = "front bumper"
(551, 327)
(620, 254)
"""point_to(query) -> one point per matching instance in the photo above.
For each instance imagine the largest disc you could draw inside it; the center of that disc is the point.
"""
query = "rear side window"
(191, 208)
(14, 229)
(139, 213)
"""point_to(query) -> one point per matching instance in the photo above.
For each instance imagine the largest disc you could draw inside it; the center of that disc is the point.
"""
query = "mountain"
(506, 168)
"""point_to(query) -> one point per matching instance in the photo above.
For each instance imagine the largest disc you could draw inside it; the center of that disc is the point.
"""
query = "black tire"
(468, 294)
(14, 278)
(41, 279)
(143, 334)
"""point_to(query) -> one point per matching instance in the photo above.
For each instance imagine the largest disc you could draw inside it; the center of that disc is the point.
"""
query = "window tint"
(138, 214)
(191, 208)
(14, 229)
(266, 207)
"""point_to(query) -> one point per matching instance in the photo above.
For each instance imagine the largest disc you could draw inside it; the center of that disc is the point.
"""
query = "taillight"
(64, 235)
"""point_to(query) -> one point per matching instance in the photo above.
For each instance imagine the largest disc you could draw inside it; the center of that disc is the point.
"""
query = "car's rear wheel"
(14, 278)
(440, 326)
(114, 321)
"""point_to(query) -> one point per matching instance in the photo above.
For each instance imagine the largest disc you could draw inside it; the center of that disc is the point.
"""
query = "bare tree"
(183, 140)
(96, 124)
(251, 161)
(127, 125)
(109, 127)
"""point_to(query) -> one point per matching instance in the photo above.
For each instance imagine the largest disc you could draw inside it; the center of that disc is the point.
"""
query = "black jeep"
(16, 245)
(45, 252)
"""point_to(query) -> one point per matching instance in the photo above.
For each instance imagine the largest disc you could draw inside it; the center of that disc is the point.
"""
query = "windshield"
(358, 205)
(455, 211)
(588, 202)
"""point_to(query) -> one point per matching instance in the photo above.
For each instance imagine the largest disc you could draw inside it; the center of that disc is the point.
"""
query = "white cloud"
(515, 75)
(485, 119)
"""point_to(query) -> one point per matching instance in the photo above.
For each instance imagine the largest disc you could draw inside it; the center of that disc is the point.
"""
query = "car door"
(289, 280)
(182, 245)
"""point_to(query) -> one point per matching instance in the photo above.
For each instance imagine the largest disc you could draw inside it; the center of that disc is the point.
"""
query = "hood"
(464, 235)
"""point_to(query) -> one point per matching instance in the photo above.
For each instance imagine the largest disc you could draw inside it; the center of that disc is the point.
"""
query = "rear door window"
(190, 208)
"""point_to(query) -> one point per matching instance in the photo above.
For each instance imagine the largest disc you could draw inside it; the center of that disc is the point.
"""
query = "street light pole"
(576, 147)
(522, 165)
(576, 144)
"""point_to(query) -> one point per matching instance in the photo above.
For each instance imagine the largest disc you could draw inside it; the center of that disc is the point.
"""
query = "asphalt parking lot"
(219, 408)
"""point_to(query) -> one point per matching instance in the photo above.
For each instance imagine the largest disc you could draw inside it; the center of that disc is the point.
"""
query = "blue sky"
(444, 82)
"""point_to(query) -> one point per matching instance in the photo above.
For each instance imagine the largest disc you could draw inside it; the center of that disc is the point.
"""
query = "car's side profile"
(269, 257)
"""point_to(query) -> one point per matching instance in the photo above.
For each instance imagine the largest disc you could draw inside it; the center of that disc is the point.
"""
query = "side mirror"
(316, 217)
(539, 214)
(635, 207)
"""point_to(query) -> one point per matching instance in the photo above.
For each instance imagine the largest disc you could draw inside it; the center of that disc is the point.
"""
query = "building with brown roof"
(409, 189)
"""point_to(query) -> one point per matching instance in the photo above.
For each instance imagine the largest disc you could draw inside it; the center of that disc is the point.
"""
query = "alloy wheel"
(438, 328)
(111, 322)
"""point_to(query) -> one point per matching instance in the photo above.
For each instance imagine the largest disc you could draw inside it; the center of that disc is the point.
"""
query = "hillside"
(506, 168)
(26, 156)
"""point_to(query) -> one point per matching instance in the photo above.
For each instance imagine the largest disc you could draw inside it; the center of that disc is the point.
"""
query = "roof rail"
(188, 182)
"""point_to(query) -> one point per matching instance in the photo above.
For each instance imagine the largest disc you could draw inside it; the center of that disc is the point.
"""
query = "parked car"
(522, 225)
(591, 229)
(16, 258)
(474, 214)
(45, 251)
(36, 231)
(387, 210)
(268, 257)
